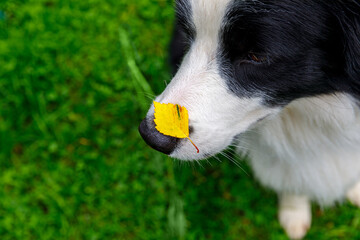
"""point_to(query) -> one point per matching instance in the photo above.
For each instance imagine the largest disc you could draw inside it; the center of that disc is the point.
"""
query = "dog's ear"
(346, 16)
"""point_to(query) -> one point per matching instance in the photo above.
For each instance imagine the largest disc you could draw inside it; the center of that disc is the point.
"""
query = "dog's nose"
(155, 139)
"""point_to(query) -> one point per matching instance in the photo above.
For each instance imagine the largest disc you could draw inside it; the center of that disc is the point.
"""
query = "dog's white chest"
(312, 147)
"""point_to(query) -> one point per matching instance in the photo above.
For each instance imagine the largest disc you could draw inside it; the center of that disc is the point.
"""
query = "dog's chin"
(187, 152)
(188, 156)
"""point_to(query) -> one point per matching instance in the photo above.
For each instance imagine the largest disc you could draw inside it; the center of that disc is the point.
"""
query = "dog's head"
(246, 60)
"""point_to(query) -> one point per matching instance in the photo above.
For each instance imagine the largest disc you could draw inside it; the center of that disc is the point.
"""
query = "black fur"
(282, 50)
(184, 18)
(305, 48)
(347, 14)
(183, 35)
(178, 47)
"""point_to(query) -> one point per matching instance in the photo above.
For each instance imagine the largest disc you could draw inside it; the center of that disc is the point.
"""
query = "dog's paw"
(295, 216)
(353, 195)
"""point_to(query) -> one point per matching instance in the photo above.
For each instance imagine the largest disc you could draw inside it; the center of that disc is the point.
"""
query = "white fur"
(354, 194)
(295, 215)
(310, 148)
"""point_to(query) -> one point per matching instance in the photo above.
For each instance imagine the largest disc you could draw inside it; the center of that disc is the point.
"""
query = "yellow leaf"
(172, 120)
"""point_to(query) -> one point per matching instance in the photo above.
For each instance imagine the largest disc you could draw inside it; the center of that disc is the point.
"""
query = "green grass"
(76, 78)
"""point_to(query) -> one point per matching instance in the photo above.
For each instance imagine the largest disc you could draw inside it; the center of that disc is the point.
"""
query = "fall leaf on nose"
(172, 120)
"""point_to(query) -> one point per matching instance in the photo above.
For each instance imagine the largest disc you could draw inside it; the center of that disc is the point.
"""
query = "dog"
(281, 78)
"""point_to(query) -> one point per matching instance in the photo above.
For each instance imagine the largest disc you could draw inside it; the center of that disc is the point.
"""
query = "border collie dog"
(282, 78)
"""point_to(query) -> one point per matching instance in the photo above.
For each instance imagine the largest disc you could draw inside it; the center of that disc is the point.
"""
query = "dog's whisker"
(217, 158)
(208, 161)
(199, 163)
(148, 95)
(233, 160)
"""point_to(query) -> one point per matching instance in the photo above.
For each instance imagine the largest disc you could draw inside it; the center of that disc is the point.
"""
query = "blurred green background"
(76, 79)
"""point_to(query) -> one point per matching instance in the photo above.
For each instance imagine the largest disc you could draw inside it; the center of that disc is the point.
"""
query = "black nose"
(155, 139)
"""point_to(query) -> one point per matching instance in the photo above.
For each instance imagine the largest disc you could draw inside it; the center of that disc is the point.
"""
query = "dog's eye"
(255, 58)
